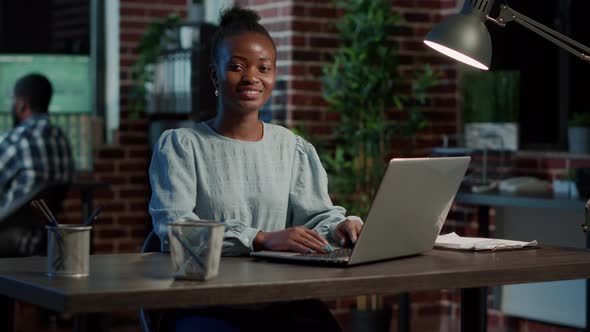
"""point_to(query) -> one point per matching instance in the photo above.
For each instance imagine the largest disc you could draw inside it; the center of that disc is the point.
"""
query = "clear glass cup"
(195, 248)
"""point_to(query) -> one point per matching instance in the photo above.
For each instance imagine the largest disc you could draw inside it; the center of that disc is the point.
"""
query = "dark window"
(552, 81)
(48, 26)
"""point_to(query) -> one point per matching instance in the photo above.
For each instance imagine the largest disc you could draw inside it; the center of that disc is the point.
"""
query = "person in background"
(265, 183)
(34, 152)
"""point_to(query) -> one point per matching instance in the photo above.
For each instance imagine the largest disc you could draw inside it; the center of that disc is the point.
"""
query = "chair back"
(147, 317)
(22, 230)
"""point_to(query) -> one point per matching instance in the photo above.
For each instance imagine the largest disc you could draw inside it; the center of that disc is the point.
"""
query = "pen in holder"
(68, 246)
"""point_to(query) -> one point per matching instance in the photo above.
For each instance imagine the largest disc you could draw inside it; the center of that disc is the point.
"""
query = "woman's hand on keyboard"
(347, 232)
(298, 239)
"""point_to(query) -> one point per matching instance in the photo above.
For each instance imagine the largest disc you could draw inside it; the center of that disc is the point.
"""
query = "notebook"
(406, 215)
(456, 242)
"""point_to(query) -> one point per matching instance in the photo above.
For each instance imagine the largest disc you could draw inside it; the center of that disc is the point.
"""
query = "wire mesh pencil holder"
(68, 250)
(195, 248)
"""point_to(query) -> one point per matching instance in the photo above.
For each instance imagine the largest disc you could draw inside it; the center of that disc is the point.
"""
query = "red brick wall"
(441, 110)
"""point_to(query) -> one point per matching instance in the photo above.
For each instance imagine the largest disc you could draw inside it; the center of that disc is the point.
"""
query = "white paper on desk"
(454, 241)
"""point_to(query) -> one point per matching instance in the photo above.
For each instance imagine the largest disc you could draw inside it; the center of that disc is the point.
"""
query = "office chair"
(22, 230)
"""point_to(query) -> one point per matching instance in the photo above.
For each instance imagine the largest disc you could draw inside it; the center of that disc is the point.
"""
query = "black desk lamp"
(464, 36)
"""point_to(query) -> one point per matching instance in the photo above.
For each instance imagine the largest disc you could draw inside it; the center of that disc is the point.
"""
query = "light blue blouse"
(268, 185)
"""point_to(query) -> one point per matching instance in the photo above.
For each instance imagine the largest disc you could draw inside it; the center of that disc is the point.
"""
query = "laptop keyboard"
(337, 253)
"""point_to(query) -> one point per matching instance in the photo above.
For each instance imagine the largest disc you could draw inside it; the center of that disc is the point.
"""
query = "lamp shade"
(463, 37)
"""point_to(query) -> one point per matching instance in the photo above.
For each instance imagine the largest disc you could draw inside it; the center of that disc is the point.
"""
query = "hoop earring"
(216, 93)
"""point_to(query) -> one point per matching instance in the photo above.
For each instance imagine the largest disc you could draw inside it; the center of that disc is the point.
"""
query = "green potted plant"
(363, 85)
(579, 133)
(491, 102)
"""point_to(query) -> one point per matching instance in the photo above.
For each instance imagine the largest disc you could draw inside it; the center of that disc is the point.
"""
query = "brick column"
(418, 18)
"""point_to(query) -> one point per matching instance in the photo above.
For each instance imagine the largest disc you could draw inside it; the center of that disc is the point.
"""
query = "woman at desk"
(265, 183)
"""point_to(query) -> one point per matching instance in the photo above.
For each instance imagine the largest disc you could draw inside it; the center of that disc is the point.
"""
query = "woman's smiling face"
(244, 71)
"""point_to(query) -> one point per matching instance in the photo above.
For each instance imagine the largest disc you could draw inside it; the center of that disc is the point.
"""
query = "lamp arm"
(508, 14)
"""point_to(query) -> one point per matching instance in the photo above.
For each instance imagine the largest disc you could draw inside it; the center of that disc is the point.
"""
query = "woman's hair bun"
(238, 15)
(235, 21)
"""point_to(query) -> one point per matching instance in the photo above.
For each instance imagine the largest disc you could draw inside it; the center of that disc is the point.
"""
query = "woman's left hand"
(347, 232)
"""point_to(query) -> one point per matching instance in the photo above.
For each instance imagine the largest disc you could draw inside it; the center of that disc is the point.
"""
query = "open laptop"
(406, 215)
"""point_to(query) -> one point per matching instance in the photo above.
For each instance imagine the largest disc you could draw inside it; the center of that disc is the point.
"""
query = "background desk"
(486, 200)
(131, 281)
(553, 209)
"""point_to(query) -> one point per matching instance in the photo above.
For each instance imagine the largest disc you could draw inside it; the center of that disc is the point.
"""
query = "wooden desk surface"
(130, 281)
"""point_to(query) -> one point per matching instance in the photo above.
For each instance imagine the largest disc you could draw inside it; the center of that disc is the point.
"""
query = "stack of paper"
(454, 241)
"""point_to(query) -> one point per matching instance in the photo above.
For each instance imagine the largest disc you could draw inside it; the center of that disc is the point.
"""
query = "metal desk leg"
(587, 290)
(81, 323)
(6, 314)
(587, 329)
(404, 315)
(483, 221)
(474, 309)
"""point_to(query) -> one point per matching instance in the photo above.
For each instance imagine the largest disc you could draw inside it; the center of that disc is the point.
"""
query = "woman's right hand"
(298, 239)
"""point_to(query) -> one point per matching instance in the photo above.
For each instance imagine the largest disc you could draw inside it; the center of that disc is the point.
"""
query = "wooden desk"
(484, 201)
(131, 281)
